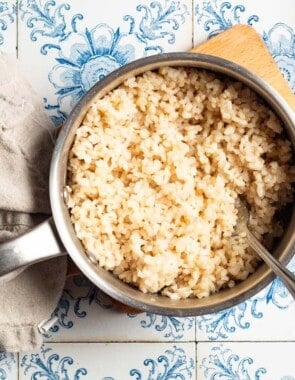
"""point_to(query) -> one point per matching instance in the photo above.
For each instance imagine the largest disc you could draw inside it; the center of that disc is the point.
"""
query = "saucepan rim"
(106, 281)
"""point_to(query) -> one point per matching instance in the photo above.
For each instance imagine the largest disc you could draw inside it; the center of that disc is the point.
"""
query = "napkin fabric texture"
(28, 299)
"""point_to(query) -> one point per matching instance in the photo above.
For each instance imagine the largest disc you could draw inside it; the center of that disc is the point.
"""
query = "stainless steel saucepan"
(56, 236)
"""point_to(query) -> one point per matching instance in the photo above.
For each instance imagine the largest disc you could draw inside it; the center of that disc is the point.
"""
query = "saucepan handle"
(40, 243)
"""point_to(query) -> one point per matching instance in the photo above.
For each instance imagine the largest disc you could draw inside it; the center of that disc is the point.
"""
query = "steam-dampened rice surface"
(154, 174)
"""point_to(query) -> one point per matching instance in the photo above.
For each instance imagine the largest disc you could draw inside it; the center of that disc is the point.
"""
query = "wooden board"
(243, 45)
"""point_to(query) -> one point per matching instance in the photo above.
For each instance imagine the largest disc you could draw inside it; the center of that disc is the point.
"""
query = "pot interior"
(106, 281)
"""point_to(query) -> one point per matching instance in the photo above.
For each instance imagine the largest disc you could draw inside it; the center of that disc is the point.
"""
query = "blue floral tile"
(110, 361)
(65, 47)
(212, 17)
(246, 361)
(279, 39)
(253, 319)
(8, 366)
(86, 314)
(165, 327)
(215, 16)
(51, 363)
(276, 25)
(8, 26)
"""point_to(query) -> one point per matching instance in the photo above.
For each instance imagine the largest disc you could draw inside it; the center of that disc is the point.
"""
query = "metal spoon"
(287, 277)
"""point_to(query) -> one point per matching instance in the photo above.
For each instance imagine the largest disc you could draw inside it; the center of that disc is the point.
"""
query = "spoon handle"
(287, 277)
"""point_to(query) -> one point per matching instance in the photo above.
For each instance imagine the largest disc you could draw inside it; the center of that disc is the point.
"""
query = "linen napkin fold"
(28, 299)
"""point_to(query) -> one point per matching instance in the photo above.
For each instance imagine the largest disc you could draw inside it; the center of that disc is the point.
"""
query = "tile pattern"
(92, 361)
(76, 44)
(276, 26)
(8, 26)
(64, 46)
(86, 314)
(245, 361)
(8, 366)
(251, 320)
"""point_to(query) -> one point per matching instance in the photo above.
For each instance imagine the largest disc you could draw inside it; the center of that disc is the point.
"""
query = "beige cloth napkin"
(26, 301)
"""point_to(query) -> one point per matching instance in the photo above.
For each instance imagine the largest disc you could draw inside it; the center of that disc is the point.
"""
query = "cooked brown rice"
(154, 174)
